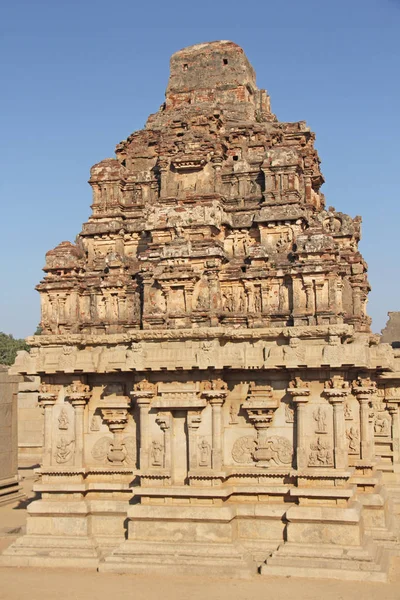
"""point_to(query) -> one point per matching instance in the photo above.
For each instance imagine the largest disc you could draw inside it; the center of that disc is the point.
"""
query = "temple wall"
(9, 486)
(30, 422)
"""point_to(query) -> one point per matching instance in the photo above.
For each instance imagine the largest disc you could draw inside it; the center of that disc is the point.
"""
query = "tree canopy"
(9, 346)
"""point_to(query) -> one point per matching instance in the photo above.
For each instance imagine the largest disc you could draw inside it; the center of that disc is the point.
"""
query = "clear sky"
(78, 77)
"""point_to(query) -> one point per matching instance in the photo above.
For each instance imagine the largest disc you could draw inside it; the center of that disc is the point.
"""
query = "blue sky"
(78, 77)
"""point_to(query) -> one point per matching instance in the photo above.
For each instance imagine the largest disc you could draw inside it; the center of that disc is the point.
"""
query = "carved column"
(339, 296)
(163, 168)
(216, 405)
(47, 398)
(310, 304)
(336, 391)
(319, 297)
(78, 395)
(300, 393)
(392, 397)
(216, 397)
(193, 424)
(163, 420)
(364, 389)
(356, 301)
(217, 164)
(143, 393)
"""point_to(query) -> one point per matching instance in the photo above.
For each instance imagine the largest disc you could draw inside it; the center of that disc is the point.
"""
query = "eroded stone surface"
(391, 332)
(9, 483)
(206, 337)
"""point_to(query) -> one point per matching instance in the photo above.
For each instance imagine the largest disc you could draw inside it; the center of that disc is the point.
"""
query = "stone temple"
(213, 398)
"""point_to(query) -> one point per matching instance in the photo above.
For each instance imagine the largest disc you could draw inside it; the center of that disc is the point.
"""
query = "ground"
(47, 584)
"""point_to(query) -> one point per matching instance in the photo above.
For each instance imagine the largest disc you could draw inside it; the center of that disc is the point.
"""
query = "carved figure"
(95, 423)
(348, 413)
(63, 421)
(233, 414)
(157, 451)
(320, 417)
(353, 438)
(227, 300)
(65, 449)
(289, 413)
(205, 453)
(321, 455)
(382, 425)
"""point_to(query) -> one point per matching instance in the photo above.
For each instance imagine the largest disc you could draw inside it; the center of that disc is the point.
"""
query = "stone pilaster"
(300, 393)
(216, 398)
(48, 395)
(78, 395)
(143, 394)
(364, 389)
(336, 391)
(193, 424)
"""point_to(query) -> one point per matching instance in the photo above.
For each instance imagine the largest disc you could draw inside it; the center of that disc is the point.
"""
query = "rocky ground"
(41, 584)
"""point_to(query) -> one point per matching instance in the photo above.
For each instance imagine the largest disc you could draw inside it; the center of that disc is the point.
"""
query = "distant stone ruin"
(214, 401)
(391, 333)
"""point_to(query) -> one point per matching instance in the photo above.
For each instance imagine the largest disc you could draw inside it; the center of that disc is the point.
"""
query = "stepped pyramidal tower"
(213, 397)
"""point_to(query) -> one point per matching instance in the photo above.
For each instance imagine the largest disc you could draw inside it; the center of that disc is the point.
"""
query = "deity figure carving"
(348, 413)
(321, 453)
(320, 418)
(228, 300)
(382, 425)
(63, 421)
(353, 438)
(289, 413)
(157, 451)
(205, 454)
(65, 448)
(233, 414)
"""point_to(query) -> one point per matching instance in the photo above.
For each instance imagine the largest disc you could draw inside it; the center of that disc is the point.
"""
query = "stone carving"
(289, 413)
(233, 414)
(382, 424)
(77, 388)
(157, 451)
(48, 391)
(205, 454)
(353, 438)
(145, 386)
(95, 423)
(243, 450)
(321, 453)
(64, 449)
(105, 451)
(101, 448)
(294, 352)
(348, 413)
(228, 300)
(63, 421)
(276, 450)
(320, 418)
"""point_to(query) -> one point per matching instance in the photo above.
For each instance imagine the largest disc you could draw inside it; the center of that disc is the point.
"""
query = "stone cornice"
(206, 333)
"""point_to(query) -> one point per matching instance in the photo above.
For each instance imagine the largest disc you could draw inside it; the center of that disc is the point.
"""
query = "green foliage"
(9, 347)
